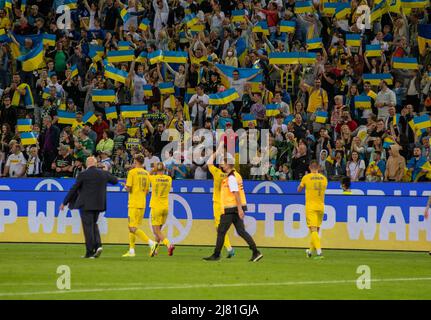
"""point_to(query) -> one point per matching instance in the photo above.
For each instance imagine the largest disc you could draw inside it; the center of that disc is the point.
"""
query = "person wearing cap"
(63, 163)
(16, 162)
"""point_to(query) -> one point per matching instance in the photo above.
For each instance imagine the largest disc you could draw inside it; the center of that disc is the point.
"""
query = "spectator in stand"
(62, 166)
(16, 162)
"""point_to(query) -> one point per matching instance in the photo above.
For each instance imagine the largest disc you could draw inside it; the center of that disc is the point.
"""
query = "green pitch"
(29, 271)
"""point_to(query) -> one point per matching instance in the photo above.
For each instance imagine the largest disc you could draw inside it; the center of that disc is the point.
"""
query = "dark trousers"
(226, 221)
(91, 231)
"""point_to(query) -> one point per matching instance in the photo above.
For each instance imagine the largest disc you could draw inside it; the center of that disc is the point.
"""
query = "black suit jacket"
(89, 191)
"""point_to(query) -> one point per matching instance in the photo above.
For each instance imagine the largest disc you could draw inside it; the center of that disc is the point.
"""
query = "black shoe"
(98, 252)
(256, 256)
(429, 253)
(212, 258)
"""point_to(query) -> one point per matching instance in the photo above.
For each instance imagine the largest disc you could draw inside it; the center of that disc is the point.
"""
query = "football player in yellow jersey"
(137, 185)
(218, 176)
(160, 188)
(315, 186)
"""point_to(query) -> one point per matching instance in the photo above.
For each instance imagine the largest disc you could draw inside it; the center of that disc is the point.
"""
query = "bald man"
(88, 194)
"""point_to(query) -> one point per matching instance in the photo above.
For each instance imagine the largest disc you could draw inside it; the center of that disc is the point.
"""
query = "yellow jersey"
(138, 180)
(218, 176)
(160, 188)
(315, 186)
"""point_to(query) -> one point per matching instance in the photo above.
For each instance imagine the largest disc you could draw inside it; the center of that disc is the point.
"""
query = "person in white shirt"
(161, 9)
(150, 159)
(217, 19)
(16, 164)
(198, 103)
(279, 129)
(34, 164)
(385, 98)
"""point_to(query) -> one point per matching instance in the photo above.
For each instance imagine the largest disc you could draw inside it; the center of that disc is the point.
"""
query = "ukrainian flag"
(303, 7)
(145, 23)
(315, 43)
(375, 78)
(422, 122)
(155, 56)
(262, 27)
(49, 39)
(424, 37)
(65, 117)
(23, 5)
(197, 28)
(93, 54)
(72, 4)
(247, 119)
(189, 93)
(4, 37)
(103, 95)
(243, 74)
(307, 57)
(284, 58)
(362, 102)
(115, 74)
(387, 142)
(148, 90)
(46, 93)
(405, 63)
(175, 56)
(73, 71)
(321, 116)
(343, 9)
(166, 88)
(124, 15)
(272, 110)
(353, 40)
(287, 26)
(190, 20)
(89, 117)
(24, 125)
(238, 16)
(111, 113)
(288, 119)
(329, 8)
(8, 4)
(134, 111)
(32, 60)
(120, 56)
(373, 50)
(412, 4)
(124, 45)
(396, 119)
(241, 50)
(142, 57)
(28, 138)
(224, 97)
(378, 10)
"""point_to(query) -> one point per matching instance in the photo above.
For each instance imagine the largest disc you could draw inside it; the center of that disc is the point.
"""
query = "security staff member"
(89, 195)
(234, 204)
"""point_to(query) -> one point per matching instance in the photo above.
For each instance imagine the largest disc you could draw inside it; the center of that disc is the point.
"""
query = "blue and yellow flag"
(288, 119)
(412, 4)
(49, 39)
(133, 111)
(241, 50)
(284, 58)
(224, 97)
(315, 43)
(387, 142)
(115, 74)
(8, 4)
(175, 56)
(373, 50)
(396, 119)
(307, 57)
(32, 60)
(244, 73)
(72, 4)
(353, 40)
(405, 63)
(73, 71)
(124, 45)
(144, 25)
(28, 138)
(190, 20)
(247, 119)
(166, 88)
(124, 13)
(424, 37)
(24, 125)
(362, 102)
(375, 78)
(272, 110)
(98, 95)
(155, 56)
(422, 122)
(65, 117)
(142, 58)
(378, 10)
(329, 8)
(94, 54)
(4, 36)
(148, 90)
(89, 117)
(46, 93)
(303, 7)
(321, 116)
(238, 16)
(120, 56)
(287, 26)
(111, 113)
(261, 27)
(342, 10)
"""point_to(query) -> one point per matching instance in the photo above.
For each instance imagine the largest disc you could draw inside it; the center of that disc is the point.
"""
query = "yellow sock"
(166, 242)
(142, 235)
(132, 240)
(315, 241)
(227, 244)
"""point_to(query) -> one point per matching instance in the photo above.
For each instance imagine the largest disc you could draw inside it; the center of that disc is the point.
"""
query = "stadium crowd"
(228, 44)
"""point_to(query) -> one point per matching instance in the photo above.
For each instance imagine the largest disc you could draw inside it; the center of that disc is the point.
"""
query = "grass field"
(29, 271)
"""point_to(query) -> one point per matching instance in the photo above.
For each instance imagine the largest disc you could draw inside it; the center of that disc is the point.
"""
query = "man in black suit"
(89, 195)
